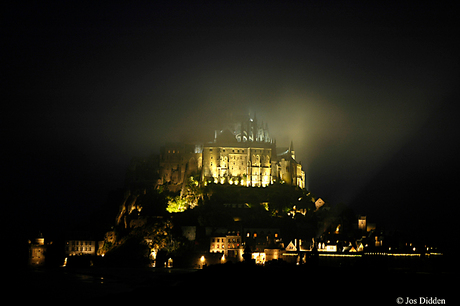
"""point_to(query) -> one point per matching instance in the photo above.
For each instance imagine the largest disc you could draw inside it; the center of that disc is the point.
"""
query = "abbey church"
(241, 153)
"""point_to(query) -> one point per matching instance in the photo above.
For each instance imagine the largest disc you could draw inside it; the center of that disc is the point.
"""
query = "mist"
(350, 86)
(347, 106)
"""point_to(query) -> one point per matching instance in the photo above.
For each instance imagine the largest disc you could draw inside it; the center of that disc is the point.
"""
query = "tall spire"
(291, 150)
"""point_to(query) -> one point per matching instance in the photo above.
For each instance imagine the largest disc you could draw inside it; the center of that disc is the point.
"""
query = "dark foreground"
(369, 285)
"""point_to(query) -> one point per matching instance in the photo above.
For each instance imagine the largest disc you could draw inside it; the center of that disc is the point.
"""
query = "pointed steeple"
(291, 150)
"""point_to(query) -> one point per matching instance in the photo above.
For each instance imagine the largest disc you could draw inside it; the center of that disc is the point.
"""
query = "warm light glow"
(259, 258)
(337, 229)
(202, 259)
(393, 254)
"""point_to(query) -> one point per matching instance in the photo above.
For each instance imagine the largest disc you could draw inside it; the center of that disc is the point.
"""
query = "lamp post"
(202, 261)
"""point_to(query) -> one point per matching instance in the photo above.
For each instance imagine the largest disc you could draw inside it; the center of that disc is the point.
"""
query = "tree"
(176, 204)
(156, 235)
(247, 255)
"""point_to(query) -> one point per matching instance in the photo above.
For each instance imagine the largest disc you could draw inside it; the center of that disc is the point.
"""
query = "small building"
(80, 247)
(229, 245)
(272, 254)
(37, 251)
(259, 239)
(362, 223)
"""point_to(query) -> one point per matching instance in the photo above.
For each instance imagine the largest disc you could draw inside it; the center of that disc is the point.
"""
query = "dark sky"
(367, 93)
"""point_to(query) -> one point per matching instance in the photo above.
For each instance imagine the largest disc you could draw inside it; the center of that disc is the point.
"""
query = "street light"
(202, 260)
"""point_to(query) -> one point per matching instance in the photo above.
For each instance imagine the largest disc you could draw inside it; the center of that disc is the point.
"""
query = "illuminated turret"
(37, 251)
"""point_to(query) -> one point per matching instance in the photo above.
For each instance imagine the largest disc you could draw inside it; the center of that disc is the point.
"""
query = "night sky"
(368, 93)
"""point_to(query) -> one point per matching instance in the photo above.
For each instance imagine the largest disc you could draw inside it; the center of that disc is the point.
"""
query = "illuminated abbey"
(241, 153)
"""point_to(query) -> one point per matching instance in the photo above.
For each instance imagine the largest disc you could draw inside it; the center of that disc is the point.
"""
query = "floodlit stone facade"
(242, 153)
